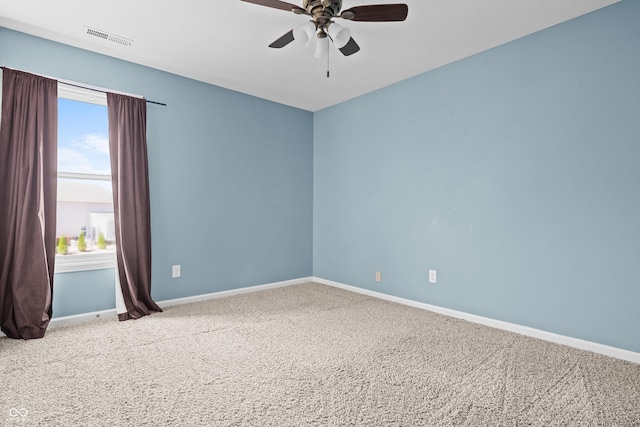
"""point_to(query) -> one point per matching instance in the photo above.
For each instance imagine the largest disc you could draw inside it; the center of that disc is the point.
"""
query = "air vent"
(97, 33)
(110, 37)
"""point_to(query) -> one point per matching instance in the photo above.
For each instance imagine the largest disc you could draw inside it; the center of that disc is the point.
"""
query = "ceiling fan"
(322, 13)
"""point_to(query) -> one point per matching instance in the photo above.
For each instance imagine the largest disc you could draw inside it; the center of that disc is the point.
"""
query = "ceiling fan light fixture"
(322, 48)
(339, 34)
(304, 32)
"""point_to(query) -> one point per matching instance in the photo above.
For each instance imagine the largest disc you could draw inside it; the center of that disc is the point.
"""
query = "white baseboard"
(618, 353)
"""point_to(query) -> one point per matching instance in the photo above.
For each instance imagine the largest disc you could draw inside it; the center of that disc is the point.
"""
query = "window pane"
(85, 202)
(83, 142)
(85, 206)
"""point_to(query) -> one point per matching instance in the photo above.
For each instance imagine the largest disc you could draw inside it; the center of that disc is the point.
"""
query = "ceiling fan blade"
(276, 4)
(350, 48)
(377, 13)
(283, 41)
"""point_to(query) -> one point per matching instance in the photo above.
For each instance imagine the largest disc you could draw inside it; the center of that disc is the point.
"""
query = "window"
(85, 227)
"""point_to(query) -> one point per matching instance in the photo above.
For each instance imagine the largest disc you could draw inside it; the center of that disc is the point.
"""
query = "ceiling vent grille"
(110, 37)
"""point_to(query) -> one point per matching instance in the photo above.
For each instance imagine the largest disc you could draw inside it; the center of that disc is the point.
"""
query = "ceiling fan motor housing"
(322, 11)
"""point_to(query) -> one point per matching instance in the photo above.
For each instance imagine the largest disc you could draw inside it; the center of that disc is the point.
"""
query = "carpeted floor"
(307, 355)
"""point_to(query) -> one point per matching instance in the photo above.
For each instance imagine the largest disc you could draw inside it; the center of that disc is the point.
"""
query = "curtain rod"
(93, 88)
(107, 91)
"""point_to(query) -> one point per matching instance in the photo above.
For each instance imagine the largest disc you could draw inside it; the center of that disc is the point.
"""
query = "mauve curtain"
(28, 168)
(130, 178)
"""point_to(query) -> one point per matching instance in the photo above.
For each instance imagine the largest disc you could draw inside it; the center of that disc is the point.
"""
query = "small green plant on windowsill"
(82, 243)
(102, 242)
(62, 248)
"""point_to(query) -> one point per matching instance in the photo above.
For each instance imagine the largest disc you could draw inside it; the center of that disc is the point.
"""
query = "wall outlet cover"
(175, 271)
(432, 276)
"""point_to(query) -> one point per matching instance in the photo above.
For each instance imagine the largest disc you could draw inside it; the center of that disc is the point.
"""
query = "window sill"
(85, 261)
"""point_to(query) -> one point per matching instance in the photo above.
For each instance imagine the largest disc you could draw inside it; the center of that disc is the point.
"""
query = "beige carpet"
(307, 355)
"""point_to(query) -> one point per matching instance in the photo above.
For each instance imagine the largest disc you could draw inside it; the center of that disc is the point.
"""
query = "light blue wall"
(230, 176)
(514, 173)
(84, 292)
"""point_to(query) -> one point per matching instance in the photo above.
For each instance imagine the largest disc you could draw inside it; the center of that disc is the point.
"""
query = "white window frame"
(95, 260)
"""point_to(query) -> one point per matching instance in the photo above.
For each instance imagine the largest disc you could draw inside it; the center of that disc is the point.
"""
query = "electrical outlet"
(175, 271)
(378, 276)
(432, 276)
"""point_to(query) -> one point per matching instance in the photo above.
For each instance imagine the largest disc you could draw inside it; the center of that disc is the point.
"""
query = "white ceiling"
(224, 42)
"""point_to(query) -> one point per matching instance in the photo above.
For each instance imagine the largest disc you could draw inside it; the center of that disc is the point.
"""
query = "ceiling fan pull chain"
(328, 53)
